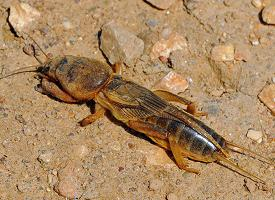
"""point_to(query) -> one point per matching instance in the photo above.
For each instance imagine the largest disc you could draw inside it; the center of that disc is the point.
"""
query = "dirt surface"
(40, 140)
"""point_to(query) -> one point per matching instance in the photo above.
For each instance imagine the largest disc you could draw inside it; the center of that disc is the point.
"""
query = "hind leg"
(191, 107)
(180, 157)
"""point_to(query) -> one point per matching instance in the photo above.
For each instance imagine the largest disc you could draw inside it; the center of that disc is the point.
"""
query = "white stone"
(21, 16)
(255, 135)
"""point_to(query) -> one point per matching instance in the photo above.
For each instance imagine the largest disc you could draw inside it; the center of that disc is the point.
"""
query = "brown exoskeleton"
(74, 79)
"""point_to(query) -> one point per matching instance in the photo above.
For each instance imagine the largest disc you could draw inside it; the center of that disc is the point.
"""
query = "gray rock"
(120, 45)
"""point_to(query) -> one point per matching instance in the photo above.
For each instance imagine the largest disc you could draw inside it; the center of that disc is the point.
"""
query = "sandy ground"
(39, 136)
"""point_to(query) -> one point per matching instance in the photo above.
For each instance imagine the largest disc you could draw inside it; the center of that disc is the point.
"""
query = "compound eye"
(44, 69)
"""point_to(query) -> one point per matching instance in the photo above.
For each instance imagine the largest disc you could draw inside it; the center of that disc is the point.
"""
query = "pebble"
(22, 15)
(250, 185)
(23, 187)
(52, 179)
(255, 42)
(267, 96)
(20, 119)
(29, 49)
(268, 14)
(152, 22)
(217, 92)
(242, 53)
(120, 45)
(257, 3)
(161, 4)
(172, 82)
(255, 135)
(172, 196)
(45, 157)
(69, 183)
(164, 47)
(223, 52)
(67, 24)
(155, 184)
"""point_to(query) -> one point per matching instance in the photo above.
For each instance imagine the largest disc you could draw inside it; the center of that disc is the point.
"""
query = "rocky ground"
(220, 53)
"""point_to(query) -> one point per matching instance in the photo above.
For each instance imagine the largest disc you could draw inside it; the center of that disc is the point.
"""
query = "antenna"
(22, 70)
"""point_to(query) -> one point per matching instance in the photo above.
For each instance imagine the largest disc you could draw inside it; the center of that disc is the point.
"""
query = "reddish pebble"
(267, 96)
(172, 82)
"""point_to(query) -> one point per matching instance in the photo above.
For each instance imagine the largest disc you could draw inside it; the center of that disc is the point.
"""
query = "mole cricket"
(73, 79)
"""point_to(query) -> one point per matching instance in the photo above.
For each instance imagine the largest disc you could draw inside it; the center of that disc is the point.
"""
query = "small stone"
(255, 42)
(255, 135)
(172, 196)
(242, 53)
(20, 119)
(161, 4)
(45, 157)
(217, 92)
(23, 187)
(257, 3)
(223, 52)
(268, 14)
(155, 184)
(28, 49)
(152, 22)
(273, 79)
(250, 185)
(267, 96)
(69, 184)
(21, 16)
(172, 82)
(164, 47)
(52, 179)
(120, 45)
(67, 24)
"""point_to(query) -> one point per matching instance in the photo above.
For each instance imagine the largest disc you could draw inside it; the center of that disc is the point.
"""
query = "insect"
(73, 79)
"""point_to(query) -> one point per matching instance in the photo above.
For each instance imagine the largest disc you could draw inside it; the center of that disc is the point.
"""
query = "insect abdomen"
(189, 139)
